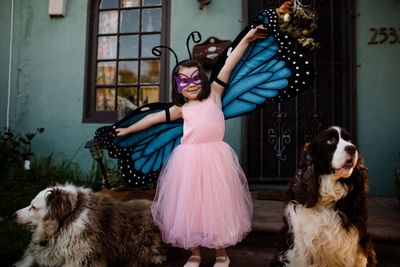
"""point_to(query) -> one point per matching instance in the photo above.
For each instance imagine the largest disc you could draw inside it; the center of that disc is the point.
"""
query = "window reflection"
(105, 99)
(151, 20)
(128, 46)
(148, 42)
(130, 3)
(148, 94)
(107, 48)
(108, 22)
(151, 2)
(126, 97)
(128, 72)
(108, 4)
(129, 21)
(150, 71)
(106, 72)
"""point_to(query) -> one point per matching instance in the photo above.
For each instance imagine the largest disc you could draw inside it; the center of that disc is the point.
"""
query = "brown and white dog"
(77, 227)
(325, 210)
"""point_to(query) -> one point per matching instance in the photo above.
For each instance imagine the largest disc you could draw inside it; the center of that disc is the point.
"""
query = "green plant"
(18, 186)
(15, 149)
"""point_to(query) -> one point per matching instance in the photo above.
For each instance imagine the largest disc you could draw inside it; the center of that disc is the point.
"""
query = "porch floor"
(259, 247)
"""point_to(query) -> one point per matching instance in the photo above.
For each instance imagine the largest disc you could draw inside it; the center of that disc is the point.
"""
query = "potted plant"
(120, 190)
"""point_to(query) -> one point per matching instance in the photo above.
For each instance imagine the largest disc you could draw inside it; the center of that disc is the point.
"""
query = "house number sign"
(382, 35)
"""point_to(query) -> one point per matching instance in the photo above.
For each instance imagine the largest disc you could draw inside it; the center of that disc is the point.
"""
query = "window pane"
(148, 94)
(127, 97)
(151, 2)
(151, 20)
(148, 42)
(107, 47)
(130, 3)
(105, 99)
(150, 71)
(128, 71)
(108, 4)
(128, 46)
(108, 22)
(129, 21)
(106, 72)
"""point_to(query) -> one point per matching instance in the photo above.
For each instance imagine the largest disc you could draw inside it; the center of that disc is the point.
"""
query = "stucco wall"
(378, 85)
(48, 68)
(4, 56)
(47, 78)
(221, 19)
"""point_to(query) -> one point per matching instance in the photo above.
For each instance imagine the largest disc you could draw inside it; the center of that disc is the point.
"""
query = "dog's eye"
(32, 207)
(331, 141)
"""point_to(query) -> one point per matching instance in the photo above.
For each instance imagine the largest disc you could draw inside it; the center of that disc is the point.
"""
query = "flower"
(299, 21)
(286, 17)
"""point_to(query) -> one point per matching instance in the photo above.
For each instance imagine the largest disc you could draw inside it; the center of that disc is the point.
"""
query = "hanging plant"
(299, 21)
(203, 3)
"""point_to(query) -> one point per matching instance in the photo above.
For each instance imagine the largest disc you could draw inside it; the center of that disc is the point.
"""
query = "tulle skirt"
(202, 197)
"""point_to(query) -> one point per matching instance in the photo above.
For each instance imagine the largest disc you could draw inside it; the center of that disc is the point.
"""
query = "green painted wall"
(221, 19)
(48, 68)
(4, 55)
(47, 78)
(378, 85)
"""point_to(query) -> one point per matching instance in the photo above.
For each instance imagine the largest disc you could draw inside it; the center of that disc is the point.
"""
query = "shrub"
(18, 186)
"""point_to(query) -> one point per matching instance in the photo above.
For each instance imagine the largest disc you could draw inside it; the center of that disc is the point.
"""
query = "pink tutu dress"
(202, 194)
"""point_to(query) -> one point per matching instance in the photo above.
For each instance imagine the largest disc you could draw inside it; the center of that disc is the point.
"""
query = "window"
(121, 70)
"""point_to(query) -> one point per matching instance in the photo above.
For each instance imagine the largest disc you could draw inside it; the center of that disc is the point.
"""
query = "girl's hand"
(255, 34)
(121, 131)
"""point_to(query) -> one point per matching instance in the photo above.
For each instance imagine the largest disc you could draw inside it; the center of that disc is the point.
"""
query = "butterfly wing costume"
(270, 71)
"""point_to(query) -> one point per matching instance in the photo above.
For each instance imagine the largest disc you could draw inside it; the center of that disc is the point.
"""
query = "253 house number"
(381, 35)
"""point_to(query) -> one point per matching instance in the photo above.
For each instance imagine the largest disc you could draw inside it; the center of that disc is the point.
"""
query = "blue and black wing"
(141, 155)
(270, 71)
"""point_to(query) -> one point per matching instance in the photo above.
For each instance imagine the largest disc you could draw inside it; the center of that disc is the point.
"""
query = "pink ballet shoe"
(193, 261)
(222, 261)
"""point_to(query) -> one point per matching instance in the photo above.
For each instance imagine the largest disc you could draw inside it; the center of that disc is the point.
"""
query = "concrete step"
(259, 247)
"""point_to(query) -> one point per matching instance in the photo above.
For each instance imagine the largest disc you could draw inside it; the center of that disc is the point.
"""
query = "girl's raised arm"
(150, 120)
(234, 58)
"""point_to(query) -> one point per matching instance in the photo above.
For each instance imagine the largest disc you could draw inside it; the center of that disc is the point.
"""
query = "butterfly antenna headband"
(195, 40)
(156, 51)
(195, 36)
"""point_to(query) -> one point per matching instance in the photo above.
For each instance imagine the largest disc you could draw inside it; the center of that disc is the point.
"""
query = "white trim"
(10, 65)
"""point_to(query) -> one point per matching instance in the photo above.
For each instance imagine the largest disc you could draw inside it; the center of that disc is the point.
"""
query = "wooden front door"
(274, 136)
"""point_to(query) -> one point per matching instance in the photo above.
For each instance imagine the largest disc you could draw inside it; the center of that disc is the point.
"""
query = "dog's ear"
(304, 188)
(60, 203)
(54, 184)
(360, 173)
(353, 207)
(46, 229)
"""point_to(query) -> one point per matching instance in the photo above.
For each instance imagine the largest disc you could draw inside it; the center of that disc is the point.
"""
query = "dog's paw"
(159, 259)
(26, 261)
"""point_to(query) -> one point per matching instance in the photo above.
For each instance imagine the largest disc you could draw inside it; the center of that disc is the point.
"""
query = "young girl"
(202, 197)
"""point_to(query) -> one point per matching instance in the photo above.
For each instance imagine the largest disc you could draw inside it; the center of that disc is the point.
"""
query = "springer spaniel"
(325, 211)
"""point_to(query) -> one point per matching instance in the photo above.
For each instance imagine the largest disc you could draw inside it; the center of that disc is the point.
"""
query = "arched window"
(120, 68)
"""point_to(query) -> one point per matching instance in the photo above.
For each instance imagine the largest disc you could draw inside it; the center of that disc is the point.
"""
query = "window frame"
(90, 114)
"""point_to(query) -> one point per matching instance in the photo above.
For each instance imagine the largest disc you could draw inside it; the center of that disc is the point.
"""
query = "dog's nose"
(14, 215)
(350, 149)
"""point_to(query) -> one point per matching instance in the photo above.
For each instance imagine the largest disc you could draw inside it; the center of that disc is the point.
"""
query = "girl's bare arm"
(234, 58)
(150, 120)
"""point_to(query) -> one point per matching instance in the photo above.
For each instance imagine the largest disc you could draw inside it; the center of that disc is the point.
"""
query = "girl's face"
(189, 82)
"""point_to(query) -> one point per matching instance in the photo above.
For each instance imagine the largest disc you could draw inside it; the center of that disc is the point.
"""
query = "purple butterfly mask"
(184, 81)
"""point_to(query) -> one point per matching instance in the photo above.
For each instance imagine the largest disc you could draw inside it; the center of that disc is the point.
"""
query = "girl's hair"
(178, 98)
